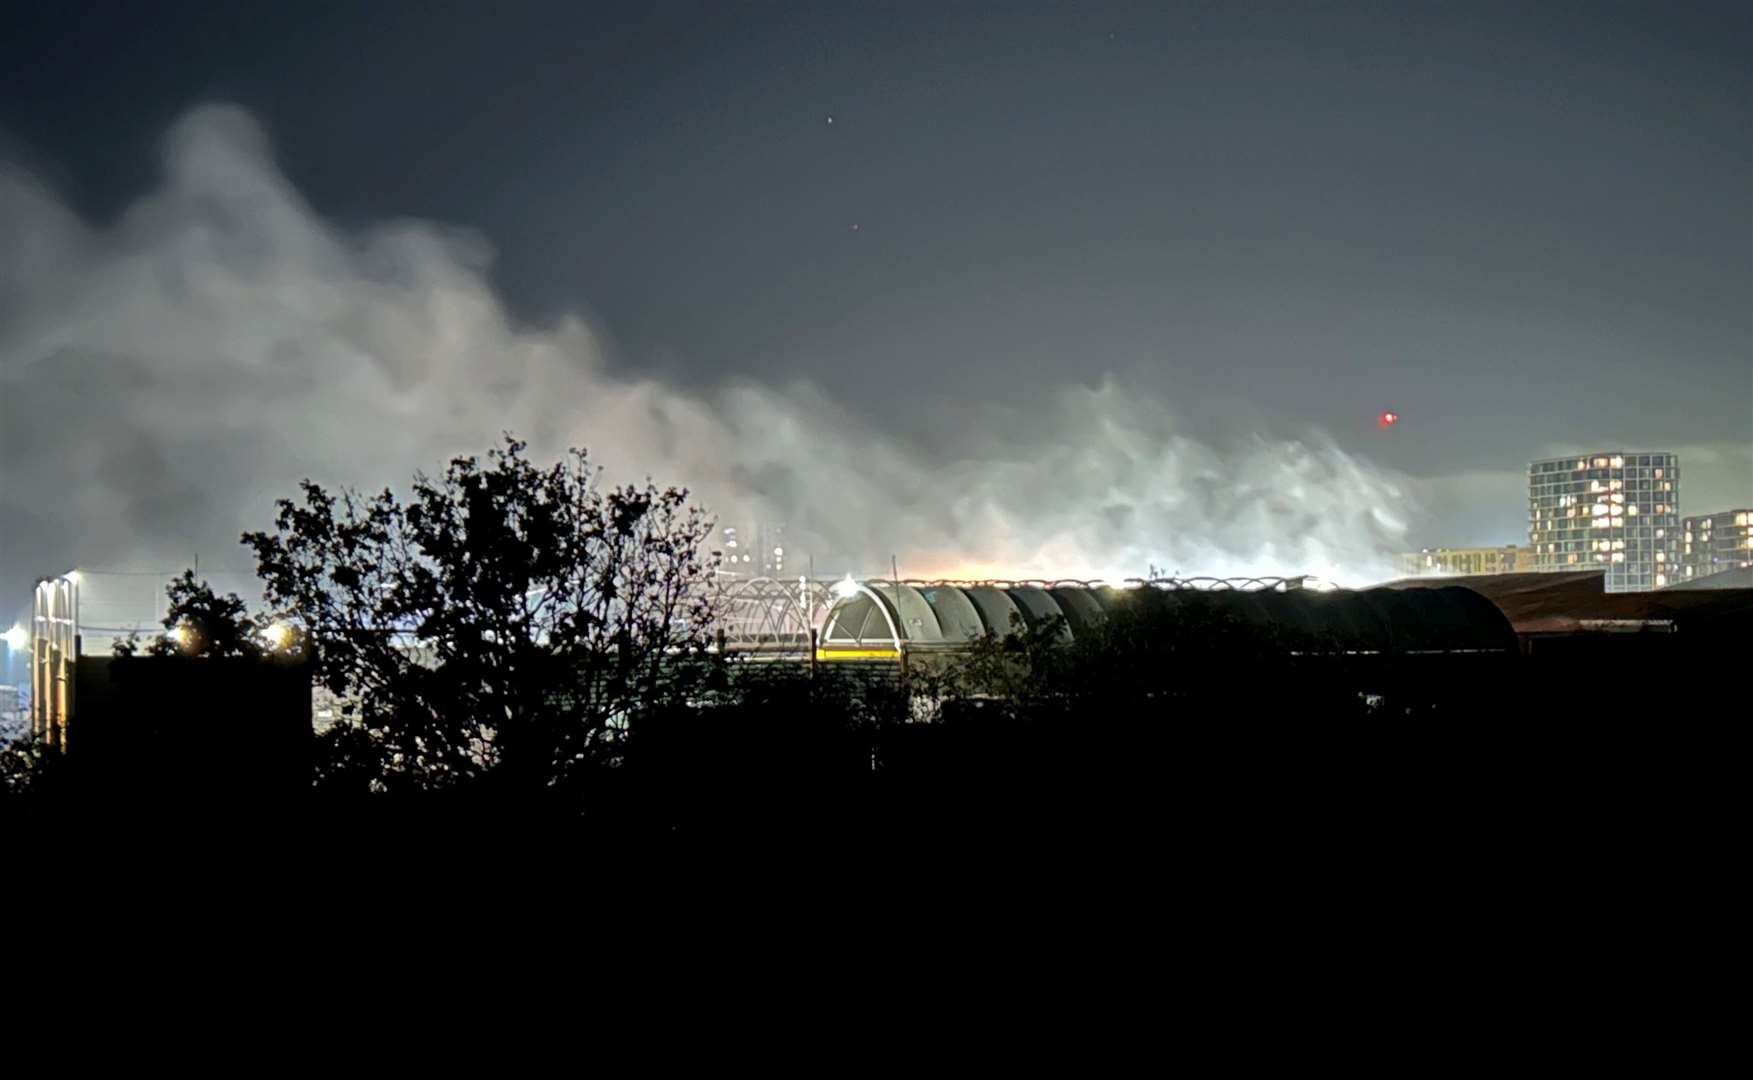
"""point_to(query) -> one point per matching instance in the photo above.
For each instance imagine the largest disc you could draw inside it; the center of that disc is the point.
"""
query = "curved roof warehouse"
(878, 618)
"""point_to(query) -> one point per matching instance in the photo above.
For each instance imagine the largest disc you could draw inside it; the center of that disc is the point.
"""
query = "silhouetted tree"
(199, 622)
(507, 620)
(28, 769)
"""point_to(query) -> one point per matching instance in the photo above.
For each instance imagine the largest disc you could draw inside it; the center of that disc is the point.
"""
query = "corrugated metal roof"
(1378, 620)
(1739, 578)
(1572, 602)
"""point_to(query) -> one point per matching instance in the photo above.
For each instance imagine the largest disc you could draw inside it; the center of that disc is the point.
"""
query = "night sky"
(1242, 229)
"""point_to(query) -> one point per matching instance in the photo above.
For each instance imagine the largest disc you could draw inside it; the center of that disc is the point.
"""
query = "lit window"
(1600, 463)
(1661, 533)
(1600, 509)
(1619, 463)
(1661, 579)
(1619, 556)
(1632, 509)
(1615, 485)
(1661, 556)
(1658, 474)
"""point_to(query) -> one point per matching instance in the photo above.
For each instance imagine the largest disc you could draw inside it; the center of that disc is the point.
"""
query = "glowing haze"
(166, 376)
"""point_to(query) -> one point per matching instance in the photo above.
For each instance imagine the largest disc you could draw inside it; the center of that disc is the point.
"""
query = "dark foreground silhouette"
(1288, 754)
(520, 659)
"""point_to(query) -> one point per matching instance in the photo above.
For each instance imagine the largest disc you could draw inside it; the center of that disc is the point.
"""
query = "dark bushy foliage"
(198, 622)
(502, 625)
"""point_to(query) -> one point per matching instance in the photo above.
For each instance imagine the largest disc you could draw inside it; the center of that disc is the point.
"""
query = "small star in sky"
(830, 121)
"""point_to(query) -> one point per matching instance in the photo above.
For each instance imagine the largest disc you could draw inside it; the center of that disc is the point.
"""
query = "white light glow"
(16, 638)
(844, 588)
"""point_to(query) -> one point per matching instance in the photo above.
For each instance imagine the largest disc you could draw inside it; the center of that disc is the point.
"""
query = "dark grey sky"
(1524, 226)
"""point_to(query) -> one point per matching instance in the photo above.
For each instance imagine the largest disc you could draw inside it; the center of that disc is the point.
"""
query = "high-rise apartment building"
(1712, 543)
(1617, 511)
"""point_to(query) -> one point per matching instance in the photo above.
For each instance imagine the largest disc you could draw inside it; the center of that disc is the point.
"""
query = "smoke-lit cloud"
(165, 376)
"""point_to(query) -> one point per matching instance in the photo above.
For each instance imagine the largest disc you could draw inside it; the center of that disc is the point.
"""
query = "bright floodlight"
(844, 588)
(16, 638)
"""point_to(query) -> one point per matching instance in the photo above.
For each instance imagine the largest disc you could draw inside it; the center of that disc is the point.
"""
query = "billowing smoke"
(165, 377)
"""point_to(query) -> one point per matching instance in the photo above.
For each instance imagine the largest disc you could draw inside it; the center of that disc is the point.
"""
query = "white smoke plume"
(165, 377)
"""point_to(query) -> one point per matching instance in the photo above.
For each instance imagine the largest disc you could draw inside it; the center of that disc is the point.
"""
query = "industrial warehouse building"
(896, 622)
(879, 618)
(1468, 560)
(1548, 611)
